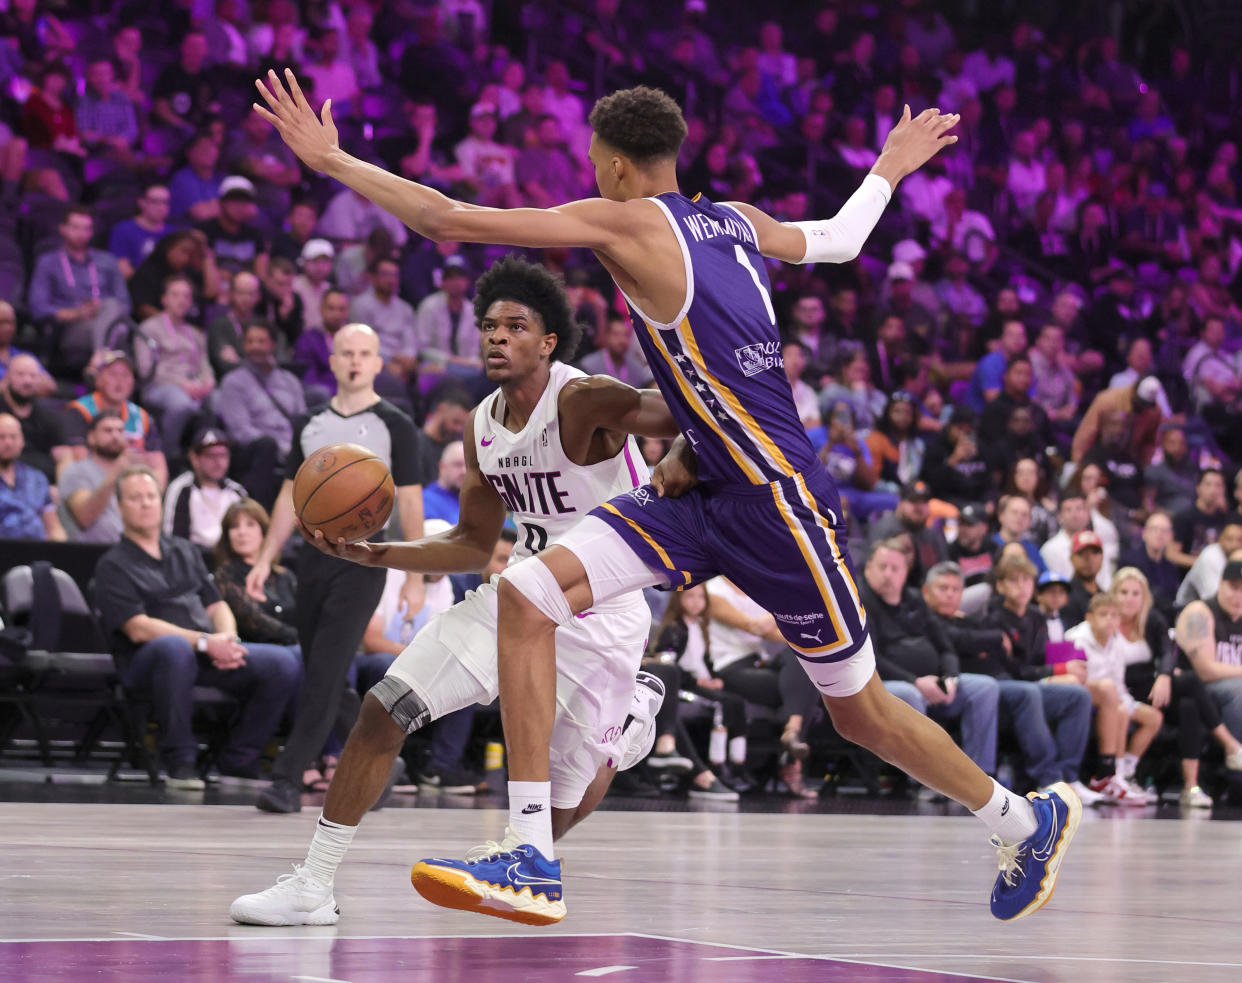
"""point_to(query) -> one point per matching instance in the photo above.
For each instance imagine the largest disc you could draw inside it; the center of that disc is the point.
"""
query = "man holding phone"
(916, 659)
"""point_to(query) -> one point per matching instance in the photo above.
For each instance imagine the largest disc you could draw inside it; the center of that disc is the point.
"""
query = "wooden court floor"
(94, 891)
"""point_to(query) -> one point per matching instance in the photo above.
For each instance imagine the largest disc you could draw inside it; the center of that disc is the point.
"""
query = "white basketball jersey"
(546, 492)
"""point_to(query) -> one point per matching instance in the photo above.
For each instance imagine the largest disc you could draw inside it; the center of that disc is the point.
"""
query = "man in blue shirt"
(989, 375)
(133, 239)
(26, 507)
(441, 498)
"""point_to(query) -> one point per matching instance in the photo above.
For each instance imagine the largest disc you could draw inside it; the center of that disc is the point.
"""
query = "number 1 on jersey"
(740, 253)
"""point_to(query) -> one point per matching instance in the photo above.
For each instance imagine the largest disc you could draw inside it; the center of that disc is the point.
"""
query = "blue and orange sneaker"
(514, 882)
(1028, 870)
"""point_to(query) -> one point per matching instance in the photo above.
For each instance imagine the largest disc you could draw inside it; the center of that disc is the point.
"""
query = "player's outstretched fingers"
(299, 100)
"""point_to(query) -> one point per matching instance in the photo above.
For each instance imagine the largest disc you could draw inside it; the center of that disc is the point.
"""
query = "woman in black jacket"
(1151, 668)
(241, 536)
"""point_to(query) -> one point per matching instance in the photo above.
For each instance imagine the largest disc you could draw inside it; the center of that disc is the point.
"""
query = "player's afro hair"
(533, 286)
(644, 124)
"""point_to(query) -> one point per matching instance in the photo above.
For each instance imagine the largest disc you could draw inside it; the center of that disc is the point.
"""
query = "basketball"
(344, 491)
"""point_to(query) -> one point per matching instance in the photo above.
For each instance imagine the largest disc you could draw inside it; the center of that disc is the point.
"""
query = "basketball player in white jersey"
(549, 445)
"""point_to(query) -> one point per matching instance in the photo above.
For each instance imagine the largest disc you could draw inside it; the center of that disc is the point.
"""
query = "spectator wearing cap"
(954, 468)
(133, 239)
(232, 235)
(27, 510)
(1200, 525)
(258, 403)
(113, 373)
(488, 167)
(616, 356)
(912, 519)
(445, 334)
(77, 289)
(224, 333)
(196, 500)
(1201, 580)
(921, 292)
(1013, 520)
(988, 379)
(315, 280)
(1150, 557)
(43, 435)
(313, 349)
(1087, 557)
(391, 318)
(918, 320)
(1140, 402)
(1073, 516)
(174, 360)
(1052, 594)
(972, 549)
(87, 488)
(194, 190)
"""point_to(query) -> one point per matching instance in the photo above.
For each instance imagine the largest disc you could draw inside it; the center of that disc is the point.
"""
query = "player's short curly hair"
(643, 123)
(533, 286)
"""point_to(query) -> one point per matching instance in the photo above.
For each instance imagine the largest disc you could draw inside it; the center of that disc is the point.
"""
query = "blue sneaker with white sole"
(1028, 870)
(518, 884)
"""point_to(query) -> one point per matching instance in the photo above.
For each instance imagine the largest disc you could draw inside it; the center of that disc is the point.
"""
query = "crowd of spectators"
(1035, 362)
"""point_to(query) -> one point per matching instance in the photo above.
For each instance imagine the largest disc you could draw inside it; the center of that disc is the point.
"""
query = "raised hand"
(313, 138)
(913, 142)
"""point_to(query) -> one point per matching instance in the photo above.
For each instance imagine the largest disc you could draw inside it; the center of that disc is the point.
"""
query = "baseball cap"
(1085, 540)
(454, 266)
(113, 355)
(908, 251)
(208, 437)
(482, 109)
(1050, 578)
(316, 248)
(1232, 571)
(900, 271)
(236, 186)
(915, 491)
(1149, 389)
(972, 515)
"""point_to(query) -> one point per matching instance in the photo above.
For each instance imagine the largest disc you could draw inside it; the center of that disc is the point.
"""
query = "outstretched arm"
(595, 223)
(600, 402)
(910, 144)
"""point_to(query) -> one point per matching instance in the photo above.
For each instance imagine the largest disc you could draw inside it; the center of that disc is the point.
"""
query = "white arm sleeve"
(840, 239)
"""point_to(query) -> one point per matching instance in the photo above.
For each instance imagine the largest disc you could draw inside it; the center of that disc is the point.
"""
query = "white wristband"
(840, 239)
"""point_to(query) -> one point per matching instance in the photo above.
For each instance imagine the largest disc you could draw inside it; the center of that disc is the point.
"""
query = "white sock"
(327, 849)
(530, 814)
(1008, 815)
(1127, 765)
(737, 750)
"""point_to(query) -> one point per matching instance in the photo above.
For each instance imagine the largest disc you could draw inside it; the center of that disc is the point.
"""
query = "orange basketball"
(344, 491)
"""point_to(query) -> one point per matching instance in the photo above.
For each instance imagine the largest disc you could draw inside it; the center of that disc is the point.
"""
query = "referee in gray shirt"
(336, 598)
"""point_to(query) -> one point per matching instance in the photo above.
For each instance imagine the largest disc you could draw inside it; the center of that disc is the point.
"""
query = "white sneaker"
(640, 733)
(295, 899)
(1194, 798)
(1088, 796)
(1139, 794)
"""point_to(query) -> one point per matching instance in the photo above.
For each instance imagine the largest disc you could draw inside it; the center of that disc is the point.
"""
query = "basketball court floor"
(135, 885)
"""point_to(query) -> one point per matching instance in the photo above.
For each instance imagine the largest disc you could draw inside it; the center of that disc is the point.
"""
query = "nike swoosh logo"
(531, 809)
(487, 441)
(518, 879)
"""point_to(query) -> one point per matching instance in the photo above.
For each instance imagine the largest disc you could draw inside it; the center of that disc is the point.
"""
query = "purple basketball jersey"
(719, 362)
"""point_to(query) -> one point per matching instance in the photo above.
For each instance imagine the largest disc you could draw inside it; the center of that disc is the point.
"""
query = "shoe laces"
(300, 879)
(493, 850)
(1010, 858)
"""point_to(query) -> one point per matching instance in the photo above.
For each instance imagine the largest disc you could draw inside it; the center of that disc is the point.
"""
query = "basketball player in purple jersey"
(766, 514)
